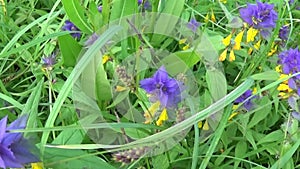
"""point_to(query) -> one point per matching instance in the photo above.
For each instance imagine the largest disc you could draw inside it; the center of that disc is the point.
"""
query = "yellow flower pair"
(149, 114)
(227, 42)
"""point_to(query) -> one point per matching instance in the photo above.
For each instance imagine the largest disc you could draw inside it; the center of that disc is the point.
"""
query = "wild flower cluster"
(158, 78)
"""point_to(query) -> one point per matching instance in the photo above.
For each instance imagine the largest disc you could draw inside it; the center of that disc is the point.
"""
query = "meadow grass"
(152, 83)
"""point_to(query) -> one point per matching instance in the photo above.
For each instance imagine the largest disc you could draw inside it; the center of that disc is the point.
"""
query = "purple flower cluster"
(14, 148)
(100, 8)
(261, 16)
(147, 4)
(193, 24)
(69, 26)
(162, 88)
(295, 107)
(290, 61)
(248, 104)
(49, 61)
(284, 32)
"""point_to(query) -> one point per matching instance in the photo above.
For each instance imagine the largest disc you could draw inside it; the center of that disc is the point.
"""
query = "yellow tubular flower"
(162, 117)
(186, 47)
(238, 40)
(223, 55)
(120, 88)
(251, 33)
(206, 18)
(182, 41)
(254, 91)
(151, 111)
(105, 58)
(278, 69)
(226, 41)
(212, 17)
(273, 49)
(232, 115)
(257, 45)
(206, 126)
(37, 165)
(200, 124)
(231, 56)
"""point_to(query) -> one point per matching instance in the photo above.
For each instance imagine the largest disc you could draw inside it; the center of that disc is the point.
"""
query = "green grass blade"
(86, 58)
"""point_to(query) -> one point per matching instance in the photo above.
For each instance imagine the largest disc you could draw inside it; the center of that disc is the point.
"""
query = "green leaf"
(70, 49)
(31, 106)
(95, 16)
(268, 75)
(121, 8)
(160, 162)
(166, 23)
(76, 14)
(190, 58)
(209, 46)
(272, 137)
(103, 87)
(262, 113)
(240, 151)
(217, 84)
(287, 156)
(73, 159)
(120, 97)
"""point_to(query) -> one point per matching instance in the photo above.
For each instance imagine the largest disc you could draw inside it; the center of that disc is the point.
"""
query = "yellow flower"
(120, 88)
(223, 1)
(282, 76)
(273, 49)
(284, 90)
(232, 115)
(206, 19)
(162, 117)
(105, 58)
(200, 124)
(251, 33)
(150, 112)
(223, 55)
(278, 69)
(38, 165)
(238, 40)
(182, 41)
(186, 47)
(254, 91)
(256, 46)
(212, 17)
(231, 56)
(226, 41)
(205, 126)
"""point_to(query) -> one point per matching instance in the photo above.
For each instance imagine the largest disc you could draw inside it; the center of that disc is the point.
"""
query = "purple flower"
(14, 148)
(140, 2)
(193, 25)
(49, 61)
(147, 5)
(290, 61)
(296, 115)
(69, 26)
(248, 104)
(261, 16)
(163, 88)
(284, 32)
(100, 8)
(91, 39)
